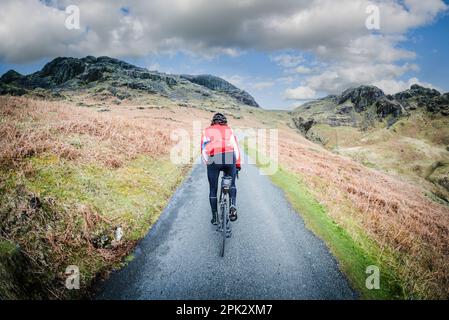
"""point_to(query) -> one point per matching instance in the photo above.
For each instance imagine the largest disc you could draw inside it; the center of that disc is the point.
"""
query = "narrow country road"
(271, 254)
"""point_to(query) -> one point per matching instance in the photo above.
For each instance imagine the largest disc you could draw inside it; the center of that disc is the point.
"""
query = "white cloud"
(300, 93)
(248, 83)
(235, 79)
(368, 49)
(199, 26)
(288, 60)
(262, 85)
(394, 86)
(397, 17)
(302, 70)
(30, 30)
(333, 32)
(154, 66)
(339, 77)
(286, 80)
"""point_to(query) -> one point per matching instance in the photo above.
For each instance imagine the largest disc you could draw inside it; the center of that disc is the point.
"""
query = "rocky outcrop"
(362, 97)
(430, 99)
(218, 84)
(443, 104)
(398, 104)
(438, 173)
(78, 74)
(211, 82)
(303, 125)
(416, 91)
(63, 69)
(362, 106)
(386, 106)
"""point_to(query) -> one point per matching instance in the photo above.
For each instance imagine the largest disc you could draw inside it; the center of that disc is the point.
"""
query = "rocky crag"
(104, 75)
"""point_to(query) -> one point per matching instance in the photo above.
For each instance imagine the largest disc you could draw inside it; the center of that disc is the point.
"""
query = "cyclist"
(220, 151)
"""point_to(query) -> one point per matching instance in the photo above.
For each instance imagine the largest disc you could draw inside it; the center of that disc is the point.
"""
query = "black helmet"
(219, 118)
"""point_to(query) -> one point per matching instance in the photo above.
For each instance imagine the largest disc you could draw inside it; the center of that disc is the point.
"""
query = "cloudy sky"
(282, 52)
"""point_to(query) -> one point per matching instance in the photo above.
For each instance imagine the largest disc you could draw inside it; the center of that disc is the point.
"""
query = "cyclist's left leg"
(213, 172)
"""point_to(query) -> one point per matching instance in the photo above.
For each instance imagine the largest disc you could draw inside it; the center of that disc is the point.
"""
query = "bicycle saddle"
(226, 182)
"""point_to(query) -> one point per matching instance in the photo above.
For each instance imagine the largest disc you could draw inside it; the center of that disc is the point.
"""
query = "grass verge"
(60, 213)
(354, 256)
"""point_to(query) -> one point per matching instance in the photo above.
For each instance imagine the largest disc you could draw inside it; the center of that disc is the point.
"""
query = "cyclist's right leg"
(230, 169)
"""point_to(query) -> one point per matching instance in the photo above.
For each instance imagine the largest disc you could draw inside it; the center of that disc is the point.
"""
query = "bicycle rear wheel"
(224, 223)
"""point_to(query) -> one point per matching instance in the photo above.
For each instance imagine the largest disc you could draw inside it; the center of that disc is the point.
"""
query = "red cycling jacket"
(218, 139)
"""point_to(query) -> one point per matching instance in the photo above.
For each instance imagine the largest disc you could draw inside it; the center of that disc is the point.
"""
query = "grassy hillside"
(354, 252)
(415, 148)
(71, 178)
(79, 170)
(367, 216)
(406, 134)
(74, 171)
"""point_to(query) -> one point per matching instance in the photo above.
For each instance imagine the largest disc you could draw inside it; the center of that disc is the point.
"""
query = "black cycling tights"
(221, 162)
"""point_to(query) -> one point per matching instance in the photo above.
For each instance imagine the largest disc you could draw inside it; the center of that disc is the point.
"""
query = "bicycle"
(224, 227)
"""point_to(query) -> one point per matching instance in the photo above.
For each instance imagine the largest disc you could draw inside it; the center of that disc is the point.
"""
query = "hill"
(365, 107)
(406, 134)
(103, 76)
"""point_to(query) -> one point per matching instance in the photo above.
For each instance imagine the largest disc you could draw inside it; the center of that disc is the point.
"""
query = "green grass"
(354, 256)
(132, 196)
(336, 136)
(6, 248)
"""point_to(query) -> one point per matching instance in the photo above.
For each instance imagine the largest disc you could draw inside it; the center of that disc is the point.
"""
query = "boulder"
(303, 125)
(386, 107)
(93, 74)
(63, 69)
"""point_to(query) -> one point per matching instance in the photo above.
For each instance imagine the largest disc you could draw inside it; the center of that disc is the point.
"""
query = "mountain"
(365, 106)
(120, 79)
(406, 133)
